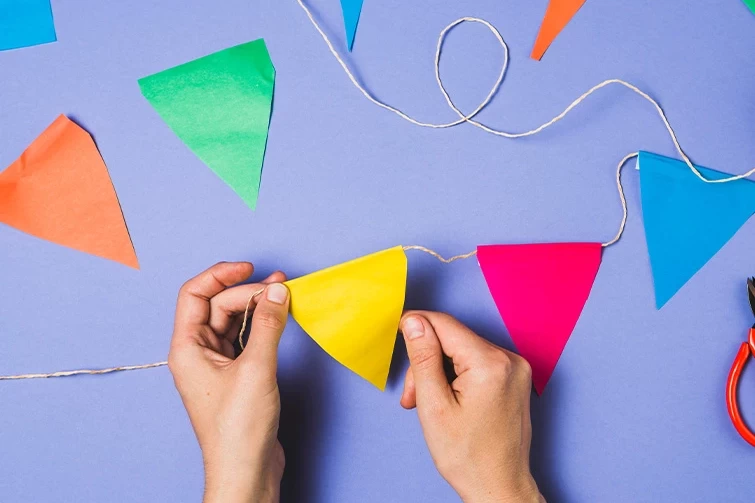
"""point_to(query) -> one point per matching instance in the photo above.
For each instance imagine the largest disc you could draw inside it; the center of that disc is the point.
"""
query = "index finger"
(193, 305)
(226, 306)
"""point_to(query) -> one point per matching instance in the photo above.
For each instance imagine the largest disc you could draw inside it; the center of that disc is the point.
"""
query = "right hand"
(477, 428)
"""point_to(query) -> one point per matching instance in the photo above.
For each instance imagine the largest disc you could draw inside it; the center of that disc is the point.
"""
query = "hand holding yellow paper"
(352, 310)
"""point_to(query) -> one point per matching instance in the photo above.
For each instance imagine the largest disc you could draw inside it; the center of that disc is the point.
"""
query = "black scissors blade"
(751, 294)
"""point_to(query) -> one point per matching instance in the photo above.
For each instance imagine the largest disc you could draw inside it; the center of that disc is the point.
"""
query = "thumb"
(268, 321)
(425, 360)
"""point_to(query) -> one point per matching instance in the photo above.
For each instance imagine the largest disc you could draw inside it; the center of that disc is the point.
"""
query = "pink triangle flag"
(540, 290)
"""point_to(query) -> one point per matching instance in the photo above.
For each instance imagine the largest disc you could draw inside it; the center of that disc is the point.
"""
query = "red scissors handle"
(745, 350)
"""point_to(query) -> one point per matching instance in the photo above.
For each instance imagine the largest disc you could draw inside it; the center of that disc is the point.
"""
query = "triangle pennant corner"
(59, 190)
(540, 290)
(557, 16)
(352, 311)
(687, 220)
(352, 10)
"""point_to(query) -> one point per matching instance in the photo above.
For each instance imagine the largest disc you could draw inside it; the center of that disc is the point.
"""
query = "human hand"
(233, 404)
(477, 427)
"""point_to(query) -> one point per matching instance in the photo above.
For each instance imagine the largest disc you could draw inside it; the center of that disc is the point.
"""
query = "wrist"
(233, 492)
(521, 491)
(226, 494)
(236, 484)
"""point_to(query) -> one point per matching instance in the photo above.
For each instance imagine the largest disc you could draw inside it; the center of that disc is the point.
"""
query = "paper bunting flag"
(352, 310)
(540, 290)
(750, 4)
(351, 12)
(24, 23)
(60, 190)
(557, 16)
(219, 106)
(686, 219)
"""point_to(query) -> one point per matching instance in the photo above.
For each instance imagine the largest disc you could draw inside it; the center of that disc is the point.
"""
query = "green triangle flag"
(219, 106)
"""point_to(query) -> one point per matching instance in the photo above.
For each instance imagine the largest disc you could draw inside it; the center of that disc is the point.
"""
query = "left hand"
(233, 404)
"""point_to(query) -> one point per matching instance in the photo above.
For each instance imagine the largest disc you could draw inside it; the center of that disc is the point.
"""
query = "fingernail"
(277, 293)
(413, 328)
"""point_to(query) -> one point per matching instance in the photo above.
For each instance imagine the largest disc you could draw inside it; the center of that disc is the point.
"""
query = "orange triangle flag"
(557, 16)
(60, 190)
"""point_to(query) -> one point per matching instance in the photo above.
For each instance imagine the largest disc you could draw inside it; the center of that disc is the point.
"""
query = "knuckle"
(185, 288)
(524, 367)
(423, 358)
(447, 465)
(501, 366)
(175, 361)
(505, 367)
(270, 320)
(444, 319)
(191, 289)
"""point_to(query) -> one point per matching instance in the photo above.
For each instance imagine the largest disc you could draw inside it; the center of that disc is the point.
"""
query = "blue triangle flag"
(686, 219)
(351, 10)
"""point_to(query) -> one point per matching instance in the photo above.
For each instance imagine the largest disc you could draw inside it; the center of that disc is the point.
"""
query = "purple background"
(635, 410)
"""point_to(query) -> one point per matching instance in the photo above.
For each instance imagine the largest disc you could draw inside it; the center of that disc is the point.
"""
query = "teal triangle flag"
(686, 219)
(219, 105)
(351, 11)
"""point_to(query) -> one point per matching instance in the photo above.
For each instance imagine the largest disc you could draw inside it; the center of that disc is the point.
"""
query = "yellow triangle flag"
(352, 310)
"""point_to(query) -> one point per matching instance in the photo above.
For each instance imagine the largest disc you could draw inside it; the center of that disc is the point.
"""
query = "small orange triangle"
(557, 16)
(60, 190)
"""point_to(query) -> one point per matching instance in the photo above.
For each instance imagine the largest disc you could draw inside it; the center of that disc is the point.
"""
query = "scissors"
(745, 350)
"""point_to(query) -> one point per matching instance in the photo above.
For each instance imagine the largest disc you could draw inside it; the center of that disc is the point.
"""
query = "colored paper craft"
(219, 106)
(60, 190)
(686, 219)
(557, 16)
(540, 290)
(24, 23)
(750, 4)
(352, 310)
(351, 12)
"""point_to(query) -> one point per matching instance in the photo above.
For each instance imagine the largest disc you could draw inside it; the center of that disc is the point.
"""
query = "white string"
(622, 198)
(499, 81)
(439, 256)
(69, 373)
